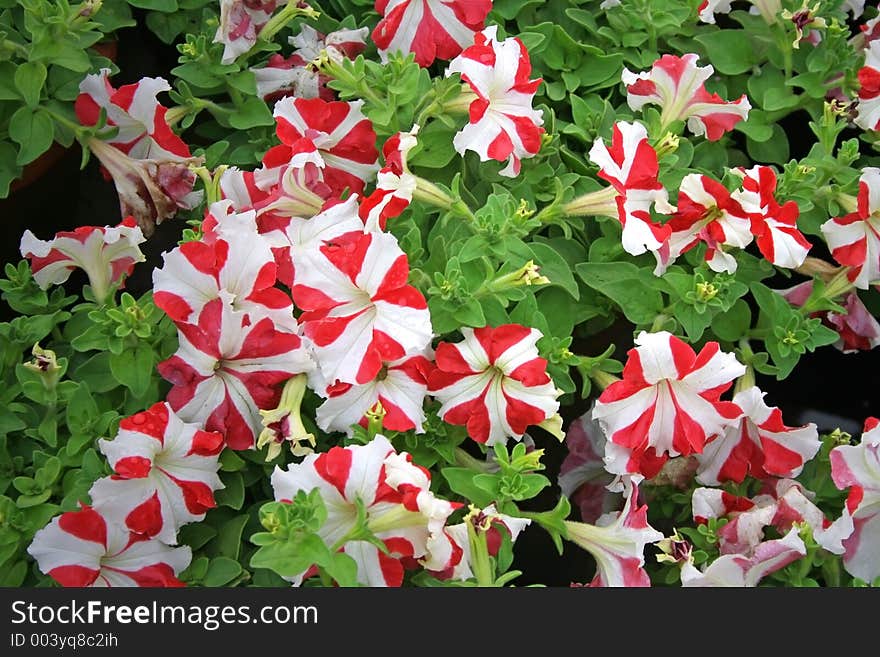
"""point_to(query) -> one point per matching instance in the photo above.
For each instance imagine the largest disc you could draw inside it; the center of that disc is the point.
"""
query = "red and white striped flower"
(868, 105)
(631, 166)
(400, 387)
(107, 254)
(143, 133)
(395, 185)
(81, 548)
(676, 84)
(240, 25)
(857, 467)
(494, 383)
(759, 444)
(236, 260)
(503, 125)
(854, 239)
(432, 29)
(746, 570)
(707, 212)
(400, 508)
(229, 366)
(165, 474)
(359, 310)
(449, 553)
(340, 132)
(617, 542)
(668, 402)
(774, 225)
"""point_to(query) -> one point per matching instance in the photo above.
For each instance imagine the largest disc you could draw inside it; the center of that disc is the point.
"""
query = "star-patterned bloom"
(81, 548)
(502, 123)
(494, 382)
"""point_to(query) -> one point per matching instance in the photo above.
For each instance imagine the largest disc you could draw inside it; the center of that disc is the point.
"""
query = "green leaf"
(733, 324)
(166, 6)
(133, 368)
(29, 80)
(554, 266)
(729, 51)
(252, 114)
(233, 494)
(461, 480)
(33, 131)
(221, 571)
(631, 288)
(228, 541)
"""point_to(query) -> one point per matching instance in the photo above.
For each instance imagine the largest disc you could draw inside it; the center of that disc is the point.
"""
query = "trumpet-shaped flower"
(854, 239)
(106, 254)
(758, 444)
(229, 366)
(165, 474)
(494, 383)
(395, 185)
(432, 29)
(133, 109)
(401, 511)
(240, 25)
(857, 467)
(868, 104)
(81, 548)
(668, 403)
(676, 84)
(340, 132)
(617, 542)
(359, 310)
(503, 125)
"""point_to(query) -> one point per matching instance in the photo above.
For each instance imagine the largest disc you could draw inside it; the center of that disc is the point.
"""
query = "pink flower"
(494, 383)
(81, 548)
(707, 212)
(343, 136)
(774, 225)
(400, 508)
(676, 85)
(617, 542)
(400, 387)
(240, 25)
(857, 329)
(233, 259)
(758, 444)
(106, 254)
(668, 403)
(857, 467)
(631, 166)
(143, 133)
(359, 310)
(503, 125)
(165, 474)
(746, 570)
(854, 239)
(395, 185)
(432, 29)
(228, 367)
(868, 104)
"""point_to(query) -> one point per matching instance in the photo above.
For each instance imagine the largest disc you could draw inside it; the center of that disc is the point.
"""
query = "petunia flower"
(399, 387)
(769, 10)
(240, 25)
(503, 125)
(854, 239)
(81, 548)
(707, 212)
(631, 166)
(868, 105)
(229, 365)
(432, 29)
(359, 311)
(668, 403)
(133, 109)
(236, 261)
(106, 254)
(774, 225)
(758, 444)
(401, 511)
(676, 84)
(340, 132)
(395, 185)
(617, 542)
(164, 474)
(494, 383)
(857, 468)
